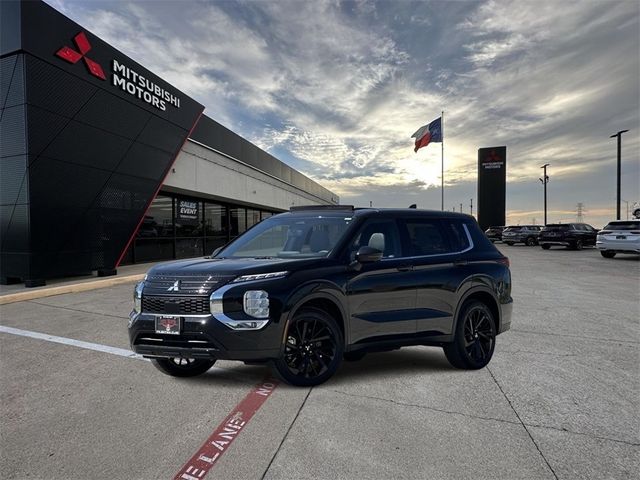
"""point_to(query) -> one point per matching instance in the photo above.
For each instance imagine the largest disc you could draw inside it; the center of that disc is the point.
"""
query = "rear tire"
(545, 246)
(509, 243)
(607, 253)
(182, 367)
(475, 337)
(313, 350)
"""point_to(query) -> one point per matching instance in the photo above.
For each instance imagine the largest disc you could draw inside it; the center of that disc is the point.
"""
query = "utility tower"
(580, 211)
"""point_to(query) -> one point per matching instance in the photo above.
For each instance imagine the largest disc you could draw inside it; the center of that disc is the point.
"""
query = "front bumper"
(204, 336)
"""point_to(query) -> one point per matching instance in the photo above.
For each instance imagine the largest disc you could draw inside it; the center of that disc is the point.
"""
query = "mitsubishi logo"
(175, 287)
(72, 56)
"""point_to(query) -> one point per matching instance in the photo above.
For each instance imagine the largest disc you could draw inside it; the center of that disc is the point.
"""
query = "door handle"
(405, 268)
(460, 263)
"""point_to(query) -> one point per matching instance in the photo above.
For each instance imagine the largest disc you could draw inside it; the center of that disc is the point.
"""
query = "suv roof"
(341, 209)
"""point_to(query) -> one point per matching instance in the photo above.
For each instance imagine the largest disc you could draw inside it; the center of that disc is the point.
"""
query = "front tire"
(607, 253)
(545, 246)
(182, 367)
(577, 245)
(475, 337)
(313, 349)
(530, 242)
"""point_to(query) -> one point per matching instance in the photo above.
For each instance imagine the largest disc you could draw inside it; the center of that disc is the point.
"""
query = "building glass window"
(216, 226)
(238, 221)
(158, 221)
(253, 217)
(266, 215)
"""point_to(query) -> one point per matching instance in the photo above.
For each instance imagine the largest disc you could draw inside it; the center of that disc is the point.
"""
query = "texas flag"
(428, 133)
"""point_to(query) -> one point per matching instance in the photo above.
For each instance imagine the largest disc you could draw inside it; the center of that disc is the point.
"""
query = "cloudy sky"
(335, 89)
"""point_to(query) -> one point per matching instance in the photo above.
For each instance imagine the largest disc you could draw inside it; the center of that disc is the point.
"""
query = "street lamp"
(619, 135)
(545, 180)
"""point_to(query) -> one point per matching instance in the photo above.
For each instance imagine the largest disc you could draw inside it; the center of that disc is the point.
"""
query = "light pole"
(545, 180)
(619, 135)
(471, 205)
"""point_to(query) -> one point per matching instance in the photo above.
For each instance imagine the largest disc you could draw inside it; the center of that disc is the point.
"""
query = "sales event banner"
(188, 212)
(492, 180)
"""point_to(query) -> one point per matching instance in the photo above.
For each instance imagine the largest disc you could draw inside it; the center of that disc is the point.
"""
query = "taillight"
(504, 261)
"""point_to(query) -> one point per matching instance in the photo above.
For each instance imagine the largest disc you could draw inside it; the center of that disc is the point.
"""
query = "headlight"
(256, 303)
(137, 297)
(259, 276)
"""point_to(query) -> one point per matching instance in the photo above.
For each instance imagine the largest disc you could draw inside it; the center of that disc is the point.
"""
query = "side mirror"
(368, 254)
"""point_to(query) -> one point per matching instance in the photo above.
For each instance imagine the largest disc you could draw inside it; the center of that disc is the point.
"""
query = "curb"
(72, 288)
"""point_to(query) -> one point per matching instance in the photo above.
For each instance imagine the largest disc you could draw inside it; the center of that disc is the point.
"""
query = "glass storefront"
(177, 227)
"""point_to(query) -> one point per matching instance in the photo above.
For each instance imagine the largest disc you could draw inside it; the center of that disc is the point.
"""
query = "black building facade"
(88, 137)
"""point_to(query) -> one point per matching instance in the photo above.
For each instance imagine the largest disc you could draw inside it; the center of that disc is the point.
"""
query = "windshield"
(630, 225)
(291, 236)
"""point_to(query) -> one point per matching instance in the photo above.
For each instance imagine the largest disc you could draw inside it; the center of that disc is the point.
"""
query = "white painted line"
(70, 341)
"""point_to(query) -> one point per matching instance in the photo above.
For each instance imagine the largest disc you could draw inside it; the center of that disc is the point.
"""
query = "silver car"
(619, 236)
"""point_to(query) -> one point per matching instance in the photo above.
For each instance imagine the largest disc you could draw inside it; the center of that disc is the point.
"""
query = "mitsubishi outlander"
(305, 289)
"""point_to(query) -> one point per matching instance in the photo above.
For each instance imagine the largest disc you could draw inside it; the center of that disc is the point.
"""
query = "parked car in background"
(571, 235)
(619, 236)
(527, 234)
(494, 233)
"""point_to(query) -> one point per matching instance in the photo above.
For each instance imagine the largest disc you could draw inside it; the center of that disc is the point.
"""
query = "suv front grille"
(175, 305)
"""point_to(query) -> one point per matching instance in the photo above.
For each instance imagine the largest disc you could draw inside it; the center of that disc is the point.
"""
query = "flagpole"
(442, 160)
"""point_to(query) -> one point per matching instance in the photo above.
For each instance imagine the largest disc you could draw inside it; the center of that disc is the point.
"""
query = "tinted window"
(630, 225)
(426, 237)
(458, 236)
(380, 234)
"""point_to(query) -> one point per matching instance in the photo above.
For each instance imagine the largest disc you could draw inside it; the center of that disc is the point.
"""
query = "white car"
(619, 236)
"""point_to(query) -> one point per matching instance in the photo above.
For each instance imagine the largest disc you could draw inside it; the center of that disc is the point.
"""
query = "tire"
(313, 349)
(354, 356)
(475, 337)
(607, 253)
(545, 246)
(577, 245)
(509, 243)
(530, 242)
(182, 367)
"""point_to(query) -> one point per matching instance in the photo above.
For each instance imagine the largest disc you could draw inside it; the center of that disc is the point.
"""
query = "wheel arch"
(485, 296)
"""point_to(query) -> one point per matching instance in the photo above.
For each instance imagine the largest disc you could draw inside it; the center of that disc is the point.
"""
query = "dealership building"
(103, 163)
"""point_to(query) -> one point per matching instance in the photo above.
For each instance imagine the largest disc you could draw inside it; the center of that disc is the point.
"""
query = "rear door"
(438, 250)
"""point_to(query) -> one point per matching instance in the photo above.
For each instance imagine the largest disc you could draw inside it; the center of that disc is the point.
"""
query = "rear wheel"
(475, 337)
(182, 367)
(530, 242)
(509, 243)
(313, 349)
(545, 246)
(607, 253)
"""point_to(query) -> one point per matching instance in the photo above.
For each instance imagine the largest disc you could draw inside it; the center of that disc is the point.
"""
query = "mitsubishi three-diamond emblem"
(72, 56)
(175, 287)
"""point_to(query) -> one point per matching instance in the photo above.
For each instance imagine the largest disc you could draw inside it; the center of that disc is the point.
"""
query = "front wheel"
(577, 245)
(607, 253)
(475, 337)
(530, 242)
(545, 246)
(182, 367)
(312, 351)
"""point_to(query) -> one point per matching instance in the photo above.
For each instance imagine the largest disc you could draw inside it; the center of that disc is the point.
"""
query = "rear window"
(426, 237)
(630, 225)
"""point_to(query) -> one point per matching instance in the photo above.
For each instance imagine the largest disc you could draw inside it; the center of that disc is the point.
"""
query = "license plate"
(621, 237)
(168, 325)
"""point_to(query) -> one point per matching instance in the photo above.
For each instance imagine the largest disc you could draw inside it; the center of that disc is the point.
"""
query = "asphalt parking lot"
(560, 398)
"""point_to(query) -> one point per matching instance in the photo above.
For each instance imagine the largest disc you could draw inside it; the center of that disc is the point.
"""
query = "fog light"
(256, 303)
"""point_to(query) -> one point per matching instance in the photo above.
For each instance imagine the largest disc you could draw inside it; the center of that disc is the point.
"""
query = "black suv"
(302, 290)
(570, 235)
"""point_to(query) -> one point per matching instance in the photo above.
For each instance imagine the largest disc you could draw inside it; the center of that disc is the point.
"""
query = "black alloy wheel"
(182, 367)
(545, 246)
(607, 253)
(578, 244)
(313, 349)
(475, 337)
(530, 242)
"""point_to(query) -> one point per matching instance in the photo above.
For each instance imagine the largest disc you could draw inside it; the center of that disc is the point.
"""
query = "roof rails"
(321, 207)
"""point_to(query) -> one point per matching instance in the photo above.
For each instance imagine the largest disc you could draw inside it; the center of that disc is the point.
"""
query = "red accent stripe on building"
(158, 190)
(224, 435)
